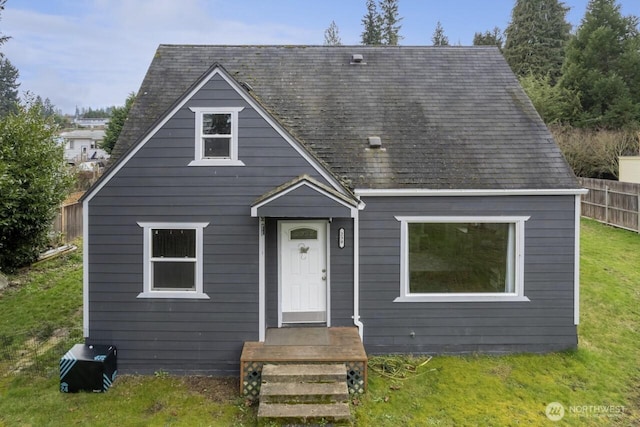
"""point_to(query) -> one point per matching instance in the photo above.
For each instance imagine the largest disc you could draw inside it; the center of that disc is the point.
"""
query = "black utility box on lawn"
(88, 368)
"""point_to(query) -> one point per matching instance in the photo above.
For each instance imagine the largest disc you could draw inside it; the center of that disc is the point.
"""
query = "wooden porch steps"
(304, 393)
(344, 347)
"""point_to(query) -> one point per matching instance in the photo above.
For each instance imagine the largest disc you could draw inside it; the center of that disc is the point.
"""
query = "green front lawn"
(470, 390)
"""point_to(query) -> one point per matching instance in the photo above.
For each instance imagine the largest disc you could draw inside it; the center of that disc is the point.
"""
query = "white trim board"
(262, 292)
(576, 263)
(421, 192)
(253, 104)
(356, 275)
(85, 268)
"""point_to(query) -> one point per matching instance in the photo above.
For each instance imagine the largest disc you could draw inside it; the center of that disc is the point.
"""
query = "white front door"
(303, 272)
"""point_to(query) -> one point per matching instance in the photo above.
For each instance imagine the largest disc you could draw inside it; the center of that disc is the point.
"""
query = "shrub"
(594, 154)
(33, 182)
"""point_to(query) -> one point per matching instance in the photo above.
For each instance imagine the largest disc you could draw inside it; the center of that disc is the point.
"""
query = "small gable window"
(216, 137)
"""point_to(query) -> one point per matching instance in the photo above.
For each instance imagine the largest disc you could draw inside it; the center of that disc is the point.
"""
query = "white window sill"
(173, 294)
(216, 162)
(462, 298)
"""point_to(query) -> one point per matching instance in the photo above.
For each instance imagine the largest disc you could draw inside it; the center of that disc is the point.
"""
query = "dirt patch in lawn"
(216, 389)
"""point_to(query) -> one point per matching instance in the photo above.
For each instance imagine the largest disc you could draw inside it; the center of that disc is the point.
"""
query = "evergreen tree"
(536, 38)
(390, 27)
(439, 38)
(489, 38)
(3, 39)
(33, 182)
(332, 35)
(8, 88)
(372, 22)
(116, 122)
(555, 104)
(47, 109)
(602, 66)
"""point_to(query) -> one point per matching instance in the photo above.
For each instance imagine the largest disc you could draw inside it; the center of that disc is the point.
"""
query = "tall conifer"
(536, 38)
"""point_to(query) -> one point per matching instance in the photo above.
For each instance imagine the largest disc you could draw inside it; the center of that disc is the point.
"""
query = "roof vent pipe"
(357, 58)
(375, 142)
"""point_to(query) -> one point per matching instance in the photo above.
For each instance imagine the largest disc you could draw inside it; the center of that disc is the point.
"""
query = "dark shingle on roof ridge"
(449, 117)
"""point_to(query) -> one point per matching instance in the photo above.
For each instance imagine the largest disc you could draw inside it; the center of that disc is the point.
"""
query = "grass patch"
(44, 298)
(443, 391)
(40, 314)
(132, 401)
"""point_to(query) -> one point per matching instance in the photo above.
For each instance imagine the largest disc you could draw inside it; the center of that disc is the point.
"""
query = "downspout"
(356, 271)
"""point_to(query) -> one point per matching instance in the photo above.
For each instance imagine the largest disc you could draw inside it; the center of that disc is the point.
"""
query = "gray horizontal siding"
(543, 324)
(303, 202)
(341, 273)
(271, 267)
(156, 185)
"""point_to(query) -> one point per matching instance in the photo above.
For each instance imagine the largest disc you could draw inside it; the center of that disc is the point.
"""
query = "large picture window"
(173, 260)
(461, 258)
(216, 131)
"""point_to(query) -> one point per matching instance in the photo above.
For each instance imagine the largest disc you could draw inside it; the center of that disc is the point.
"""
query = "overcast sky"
(92, 53)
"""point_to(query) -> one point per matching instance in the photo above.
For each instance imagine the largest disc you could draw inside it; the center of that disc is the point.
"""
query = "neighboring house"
(629, 169)
(83, 145)
(90, 123)
(413, 192)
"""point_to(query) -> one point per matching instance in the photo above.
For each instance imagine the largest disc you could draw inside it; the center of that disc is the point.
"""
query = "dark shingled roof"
(448, 117)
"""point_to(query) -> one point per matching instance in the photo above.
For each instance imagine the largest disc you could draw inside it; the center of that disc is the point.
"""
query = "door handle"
(324, 277)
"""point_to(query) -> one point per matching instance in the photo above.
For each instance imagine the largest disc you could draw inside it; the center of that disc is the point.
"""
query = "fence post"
(63, 213)
(606, 204)
(638, 213)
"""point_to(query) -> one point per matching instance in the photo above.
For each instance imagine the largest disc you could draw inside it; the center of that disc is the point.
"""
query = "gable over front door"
(302, 272)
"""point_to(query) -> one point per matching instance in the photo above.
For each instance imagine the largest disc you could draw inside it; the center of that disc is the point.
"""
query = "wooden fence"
(612, 202)
(68, 222)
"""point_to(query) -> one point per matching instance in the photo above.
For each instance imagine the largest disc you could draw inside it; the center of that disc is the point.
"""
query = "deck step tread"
(304, 392)
(304, 372)
(308, 411)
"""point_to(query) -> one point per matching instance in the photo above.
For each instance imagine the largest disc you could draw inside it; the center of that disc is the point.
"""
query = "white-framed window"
(461, 258)
(216, 136)
(172, 260)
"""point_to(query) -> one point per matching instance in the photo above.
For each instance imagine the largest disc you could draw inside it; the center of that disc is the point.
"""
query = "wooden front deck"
(305, 345)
